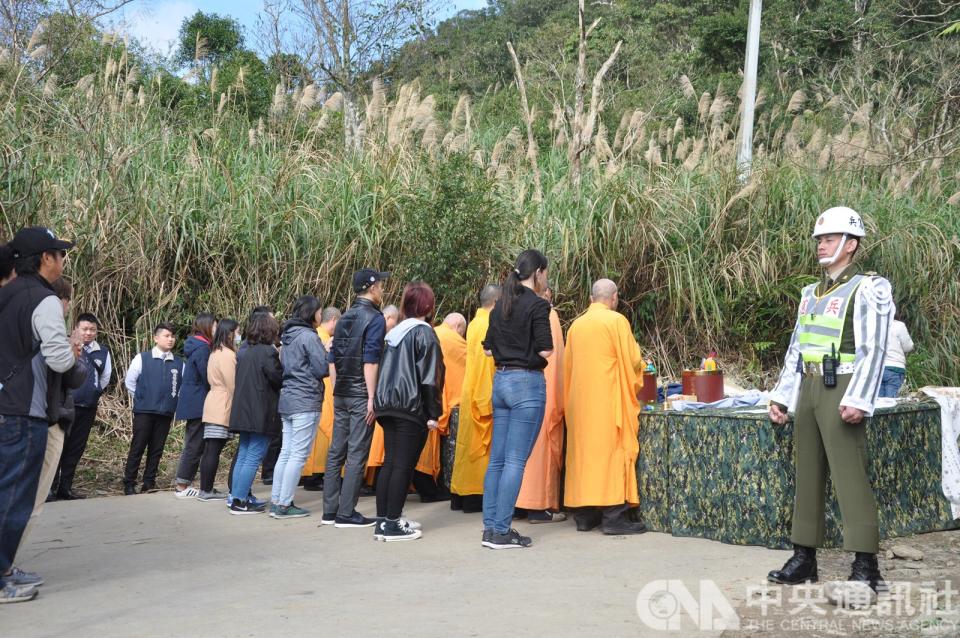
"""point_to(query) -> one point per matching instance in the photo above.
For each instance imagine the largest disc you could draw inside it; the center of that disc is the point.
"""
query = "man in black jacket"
(34, 339)
(357, 348)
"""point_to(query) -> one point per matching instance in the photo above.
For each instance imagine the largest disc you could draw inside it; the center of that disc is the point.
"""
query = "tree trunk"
(576, 148)
(861, 7)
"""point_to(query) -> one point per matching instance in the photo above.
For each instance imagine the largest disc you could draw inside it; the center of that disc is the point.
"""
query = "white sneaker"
(414, 525)
(188, 492)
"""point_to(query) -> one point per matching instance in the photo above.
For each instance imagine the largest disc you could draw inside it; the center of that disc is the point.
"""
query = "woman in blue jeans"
(305, 367)
(254, 412)
(519, 340)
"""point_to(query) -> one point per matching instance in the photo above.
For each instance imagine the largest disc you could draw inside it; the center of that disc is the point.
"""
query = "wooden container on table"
(708, 385)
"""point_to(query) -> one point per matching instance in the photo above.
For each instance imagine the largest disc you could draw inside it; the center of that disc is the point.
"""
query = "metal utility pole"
(745, 153)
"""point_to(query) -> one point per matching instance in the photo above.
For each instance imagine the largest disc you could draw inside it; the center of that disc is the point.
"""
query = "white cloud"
(157, 25)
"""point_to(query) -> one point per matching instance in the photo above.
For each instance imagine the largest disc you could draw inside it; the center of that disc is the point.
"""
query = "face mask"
(829, 261)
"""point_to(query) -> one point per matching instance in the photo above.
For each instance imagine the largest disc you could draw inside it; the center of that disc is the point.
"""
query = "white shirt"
(103, 380)
(136, 367)
(899, 344)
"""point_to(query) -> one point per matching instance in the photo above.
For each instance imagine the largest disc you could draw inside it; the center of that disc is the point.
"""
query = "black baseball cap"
(35, 240)
(366, 277)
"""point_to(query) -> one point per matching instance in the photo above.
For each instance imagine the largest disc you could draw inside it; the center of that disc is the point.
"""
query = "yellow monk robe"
(540, 489)
(317, 460)
(601, 379)
(476, 412)
(377, 452)
(454, 349)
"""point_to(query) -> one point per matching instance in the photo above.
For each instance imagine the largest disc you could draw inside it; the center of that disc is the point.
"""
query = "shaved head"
(604, 291)
(329, 314)
(392, 314)
(489, 295)
(456, 322)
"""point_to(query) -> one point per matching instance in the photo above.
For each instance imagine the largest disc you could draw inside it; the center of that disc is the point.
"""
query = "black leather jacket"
(348, 348)
(411, 377)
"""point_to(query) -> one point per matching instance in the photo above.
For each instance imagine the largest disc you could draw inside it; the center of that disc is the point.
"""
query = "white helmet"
(839, 220)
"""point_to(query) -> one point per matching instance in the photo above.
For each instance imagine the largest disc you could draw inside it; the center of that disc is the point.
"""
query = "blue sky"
(155, 23)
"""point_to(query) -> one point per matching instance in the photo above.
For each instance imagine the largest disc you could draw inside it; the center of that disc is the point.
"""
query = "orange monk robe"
(454, 350)
(317, 460)
(540, 489)
(601, 379)
(476, 412)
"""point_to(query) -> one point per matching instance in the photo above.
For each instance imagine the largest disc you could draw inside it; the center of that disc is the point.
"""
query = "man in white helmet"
(830, 382)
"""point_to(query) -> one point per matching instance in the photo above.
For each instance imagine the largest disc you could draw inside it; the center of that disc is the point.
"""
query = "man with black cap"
(33, 339)
(355, 357)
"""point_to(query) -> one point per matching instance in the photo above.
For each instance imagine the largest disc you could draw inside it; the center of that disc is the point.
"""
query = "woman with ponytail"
(519, 340)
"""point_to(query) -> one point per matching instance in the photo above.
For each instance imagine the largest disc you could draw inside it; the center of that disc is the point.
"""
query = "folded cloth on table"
(746, 400)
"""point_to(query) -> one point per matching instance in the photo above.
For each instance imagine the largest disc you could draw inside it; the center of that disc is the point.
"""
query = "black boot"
(587, 519)
(866, 570)
(801, 568)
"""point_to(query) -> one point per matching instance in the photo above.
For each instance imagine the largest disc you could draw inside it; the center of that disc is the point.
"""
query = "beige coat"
(221, 373)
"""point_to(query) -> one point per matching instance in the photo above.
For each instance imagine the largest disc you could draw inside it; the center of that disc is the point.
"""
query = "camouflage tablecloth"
(728, 475)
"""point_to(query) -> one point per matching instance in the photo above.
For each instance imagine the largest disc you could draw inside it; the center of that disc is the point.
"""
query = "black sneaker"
(328, 519)
(511, 540)
(148, 488)
(129, 490)
(240, 508)
(487, 536)
(394, 531)
(355, 520)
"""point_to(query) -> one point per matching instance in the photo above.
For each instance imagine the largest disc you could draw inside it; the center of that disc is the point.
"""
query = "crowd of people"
(369, 399)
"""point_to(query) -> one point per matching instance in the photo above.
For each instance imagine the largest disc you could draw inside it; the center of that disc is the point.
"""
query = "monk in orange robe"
(476, 412)
(426, 477)
(540, 490)
(602, 376)
(316, 463)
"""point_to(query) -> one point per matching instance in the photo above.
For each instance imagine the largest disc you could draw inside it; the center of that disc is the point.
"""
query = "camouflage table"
(728, 475)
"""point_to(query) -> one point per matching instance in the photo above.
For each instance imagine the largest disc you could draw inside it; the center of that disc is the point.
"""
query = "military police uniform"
(835, 360)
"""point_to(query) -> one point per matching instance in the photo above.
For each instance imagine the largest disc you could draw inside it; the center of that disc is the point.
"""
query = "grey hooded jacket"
(305, 366)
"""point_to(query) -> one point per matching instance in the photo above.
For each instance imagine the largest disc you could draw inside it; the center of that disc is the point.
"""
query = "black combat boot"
(865, 570)
(801, 568)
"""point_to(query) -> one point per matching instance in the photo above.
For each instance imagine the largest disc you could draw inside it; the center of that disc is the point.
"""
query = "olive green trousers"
(822, 441)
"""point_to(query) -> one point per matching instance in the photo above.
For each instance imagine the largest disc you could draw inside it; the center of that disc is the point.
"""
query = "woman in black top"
(519, 340)
(253, 413)
(408, 402)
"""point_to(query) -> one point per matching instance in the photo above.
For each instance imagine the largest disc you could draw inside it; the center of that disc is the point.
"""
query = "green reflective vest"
(822, 320)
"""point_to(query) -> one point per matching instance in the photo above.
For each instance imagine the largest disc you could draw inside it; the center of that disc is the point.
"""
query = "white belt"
(817, 368)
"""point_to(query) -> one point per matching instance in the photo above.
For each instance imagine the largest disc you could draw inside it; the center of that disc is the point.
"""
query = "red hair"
(418, 301)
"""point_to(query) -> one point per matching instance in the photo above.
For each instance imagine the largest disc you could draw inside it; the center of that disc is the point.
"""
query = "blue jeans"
(23, 442)
(891, 381)
(519, 399)
(250, 453)
(299, 431)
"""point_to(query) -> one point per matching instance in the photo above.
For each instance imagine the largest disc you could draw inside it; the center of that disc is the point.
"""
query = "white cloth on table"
(949, 400)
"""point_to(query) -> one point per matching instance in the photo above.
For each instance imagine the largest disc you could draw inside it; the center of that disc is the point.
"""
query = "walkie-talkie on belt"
(830, 367)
